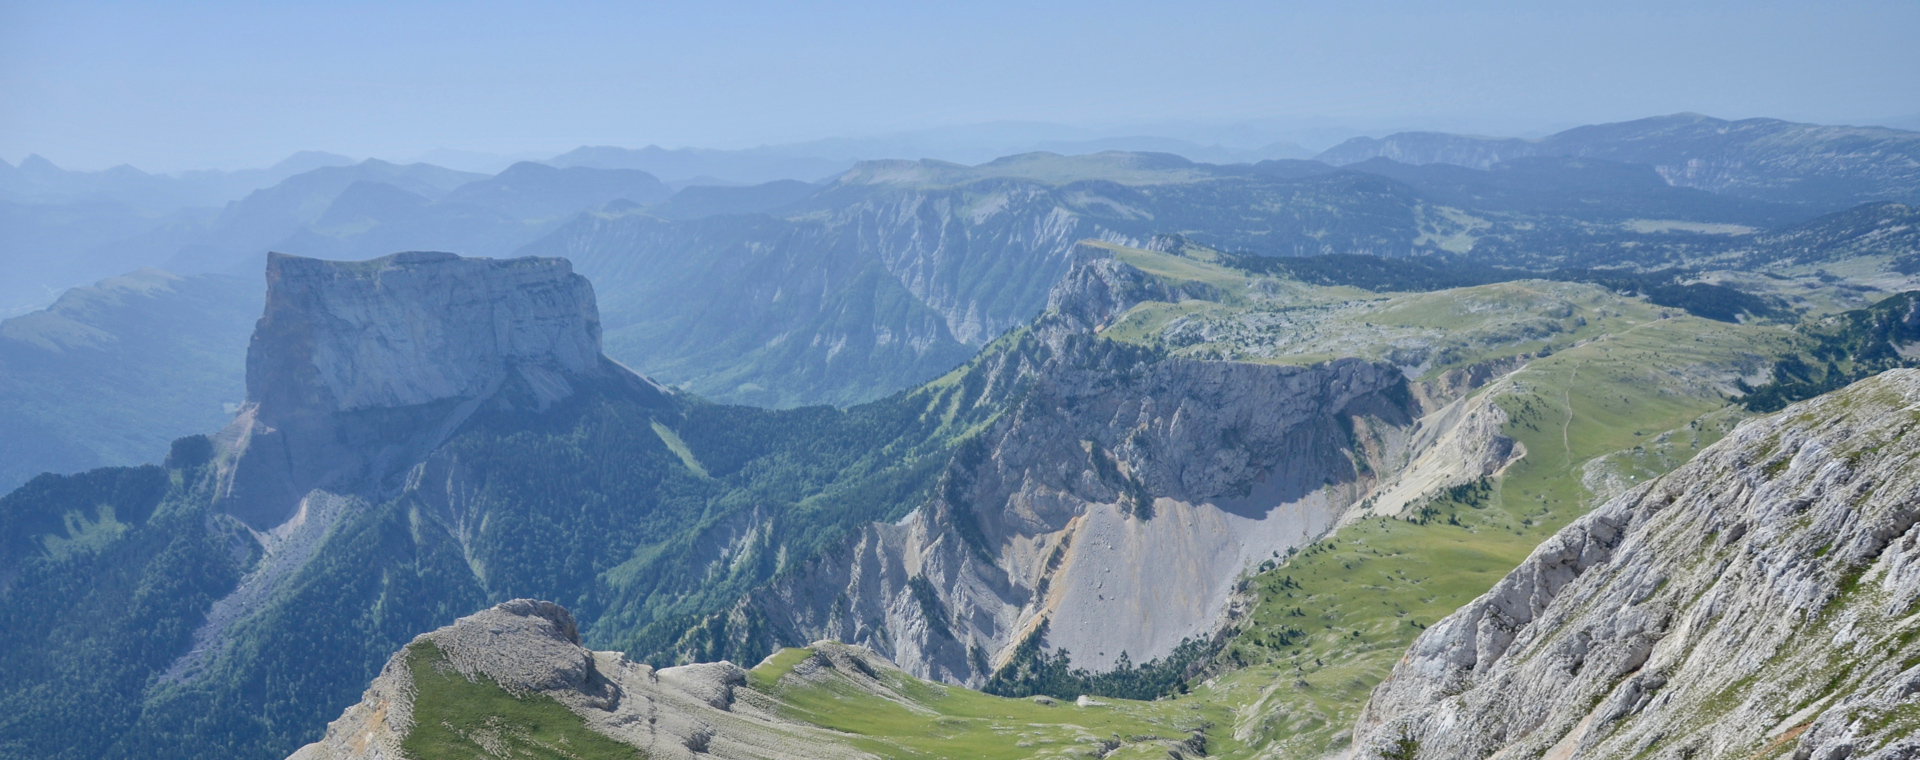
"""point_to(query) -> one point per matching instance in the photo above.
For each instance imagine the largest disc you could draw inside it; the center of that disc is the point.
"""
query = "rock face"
(900, 270)
(1117, 485)
(531, 649)
(415, 328)
(1757, 602)
(356, 366)
(1100, 288)
(1141, 501)
(357, 371)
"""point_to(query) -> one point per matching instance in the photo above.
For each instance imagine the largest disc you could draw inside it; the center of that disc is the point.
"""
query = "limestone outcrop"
(1758, 601)
(1142, 500)
(1098, 288)
(1119, 484)
(357, 368)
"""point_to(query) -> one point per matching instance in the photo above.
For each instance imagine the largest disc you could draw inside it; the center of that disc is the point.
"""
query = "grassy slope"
(1362, 596)
(1262, 319)
(1625, 396)
(1632, 395)
(458, 719)
(939, 721)
(1629, 388)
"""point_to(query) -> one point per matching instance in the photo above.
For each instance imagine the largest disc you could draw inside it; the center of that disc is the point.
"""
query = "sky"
(187, 85)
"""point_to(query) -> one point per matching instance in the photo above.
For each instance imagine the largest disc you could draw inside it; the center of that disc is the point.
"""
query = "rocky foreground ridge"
(1758, 602)
(530, 650)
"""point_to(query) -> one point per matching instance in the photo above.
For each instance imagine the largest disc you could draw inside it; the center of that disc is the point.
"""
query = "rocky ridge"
(1756, 602)
(1109, 454)
(1046, 518)
(531, 649)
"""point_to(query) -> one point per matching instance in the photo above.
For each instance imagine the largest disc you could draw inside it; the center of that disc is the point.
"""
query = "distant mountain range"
(790, 293)
(61, 229)
(1283, 418)
(824, 159)
(37, 180)
(1829, 167)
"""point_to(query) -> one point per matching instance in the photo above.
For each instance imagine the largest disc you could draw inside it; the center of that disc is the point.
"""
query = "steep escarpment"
(1756, 602)
(1138, 498)
(1106, 482)
(357, 369)
(414, 328)
(899, 271)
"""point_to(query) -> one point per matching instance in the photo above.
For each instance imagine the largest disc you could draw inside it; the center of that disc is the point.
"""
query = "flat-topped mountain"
(415, 328)
(358, 368)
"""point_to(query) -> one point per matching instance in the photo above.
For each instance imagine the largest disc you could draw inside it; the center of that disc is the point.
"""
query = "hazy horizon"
(212, 85)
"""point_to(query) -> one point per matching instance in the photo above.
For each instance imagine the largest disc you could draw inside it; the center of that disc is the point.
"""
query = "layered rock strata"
(357, 368)
(1094, 502)
(1759, 601)
(1117, 485)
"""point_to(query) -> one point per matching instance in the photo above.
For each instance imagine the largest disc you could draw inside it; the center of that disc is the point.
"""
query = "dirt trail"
(1566, 399)
(1566, 393)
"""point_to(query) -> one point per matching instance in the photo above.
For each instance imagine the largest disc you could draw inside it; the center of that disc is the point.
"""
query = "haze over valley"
(1244, 382)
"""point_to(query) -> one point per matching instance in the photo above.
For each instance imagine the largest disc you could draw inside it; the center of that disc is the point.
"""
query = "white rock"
(1758, 597)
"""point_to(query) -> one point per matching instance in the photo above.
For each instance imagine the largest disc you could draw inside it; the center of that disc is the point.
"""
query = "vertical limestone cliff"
(357, 372)
(1759, 602)
(358, 368)
(1096, 501)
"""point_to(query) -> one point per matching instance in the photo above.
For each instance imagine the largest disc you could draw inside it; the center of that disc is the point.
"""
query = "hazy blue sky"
(182, 84)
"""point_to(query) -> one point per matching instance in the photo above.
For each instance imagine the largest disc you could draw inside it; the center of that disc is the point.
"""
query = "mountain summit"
(416, 328)
(355, 365)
